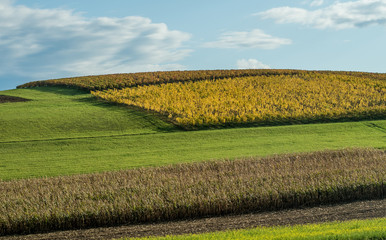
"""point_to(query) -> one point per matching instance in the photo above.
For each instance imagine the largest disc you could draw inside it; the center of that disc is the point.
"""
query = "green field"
(357, 229)
(65, 131)
(68, 113)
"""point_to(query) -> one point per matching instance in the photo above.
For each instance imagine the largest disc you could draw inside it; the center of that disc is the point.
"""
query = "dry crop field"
(191, 190)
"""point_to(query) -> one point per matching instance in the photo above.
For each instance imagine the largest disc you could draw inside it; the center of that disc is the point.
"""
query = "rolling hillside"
(63, 130)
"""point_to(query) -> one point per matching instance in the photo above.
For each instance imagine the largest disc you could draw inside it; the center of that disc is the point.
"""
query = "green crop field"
(357, 229)
(62, 132)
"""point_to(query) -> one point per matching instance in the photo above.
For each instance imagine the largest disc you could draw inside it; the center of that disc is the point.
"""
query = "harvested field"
(189, 191)
(342, 212)
(5, 98)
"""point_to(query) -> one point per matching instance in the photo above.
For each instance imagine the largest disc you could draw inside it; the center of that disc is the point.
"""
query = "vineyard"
(285, 98)
(191, 190)
(207, 98)
(110, 81)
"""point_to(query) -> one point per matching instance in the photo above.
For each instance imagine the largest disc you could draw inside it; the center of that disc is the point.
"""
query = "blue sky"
(46, 39)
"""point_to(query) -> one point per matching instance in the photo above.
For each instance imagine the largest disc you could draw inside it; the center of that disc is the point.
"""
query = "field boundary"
(75, 138)
(366, 122)
(341, 212)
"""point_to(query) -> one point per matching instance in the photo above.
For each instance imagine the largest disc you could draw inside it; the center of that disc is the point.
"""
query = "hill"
(63, 130)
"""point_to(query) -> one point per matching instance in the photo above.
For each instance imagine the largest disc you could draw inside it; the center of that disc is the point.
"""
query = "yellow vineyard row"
(258, 99)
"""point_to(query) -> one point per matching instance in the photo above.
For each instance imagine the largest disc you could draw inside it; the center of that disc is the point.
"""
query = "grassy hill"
(66, 131)
(54, 112)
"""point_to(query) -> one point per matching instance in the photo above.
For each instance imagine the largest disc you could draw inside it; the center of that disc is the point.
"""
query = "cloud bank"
(46, 43)
(253, 39)
(251, 64)
(316, 3)
(340, 15)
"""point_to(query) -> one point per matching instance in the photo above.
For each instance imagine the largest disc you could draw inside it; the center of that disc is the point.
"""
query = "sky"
(46, 39)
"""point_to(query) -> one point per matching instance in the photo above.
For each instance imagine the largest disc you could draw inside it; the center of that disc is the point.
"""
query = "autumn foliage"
(122, 80)
(284, 98)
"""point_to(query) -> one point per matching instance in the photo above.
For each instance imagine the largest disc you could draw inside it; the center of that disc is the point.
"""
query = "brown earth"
(4, 99)
(348, 211)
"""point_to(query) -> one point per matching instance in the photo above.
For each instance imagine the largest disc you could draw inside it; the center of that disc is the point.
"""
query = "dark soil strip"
(355, 210)
(4, 99)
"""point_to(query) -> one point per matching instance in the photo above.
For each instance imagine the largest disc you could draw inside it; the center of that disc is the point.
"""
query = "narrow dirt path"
(355, 210)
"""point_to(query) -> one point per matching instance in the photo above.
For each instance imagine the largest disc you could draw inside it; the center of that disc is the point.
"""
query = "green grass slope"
(68, 113)
(64, 131)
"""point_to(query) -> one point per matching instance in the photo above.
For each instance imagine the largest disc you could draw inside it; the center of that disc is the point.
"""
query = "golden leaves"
(259, 99)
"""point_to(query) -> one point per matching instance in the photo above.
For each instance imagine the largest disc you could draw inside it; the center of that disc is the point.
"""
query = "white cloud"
(46, 43)
(251, 64)
(254, 39)
(316, 3)
(340, 15)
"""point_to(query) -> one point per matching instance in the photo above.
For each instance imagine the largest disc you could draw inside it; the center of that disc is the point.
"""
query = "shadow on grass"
(156, 120)
(8, 99)
(292, 121)
(61, 90)
(160, 122)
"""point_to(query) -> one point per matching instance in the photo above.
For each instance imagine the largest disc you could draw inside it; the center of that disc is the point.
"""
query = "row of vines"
(303, 98)
(101, 82)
